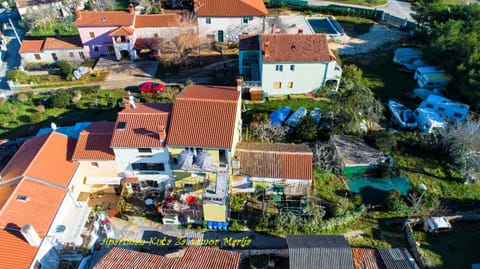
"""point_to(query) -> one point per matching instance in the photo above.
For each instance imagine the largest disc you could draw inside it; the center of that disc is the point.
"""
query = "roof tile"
(15, 251)
(142, 126)
(104, 18)
(120, 258)
(197, 257)
(122, 30)
(31, 46)
(157, 20)
(204, 116)
(231, 8)
(36, 156)
(291, 47)
(94, 142)
(286, 161)
(70, 42)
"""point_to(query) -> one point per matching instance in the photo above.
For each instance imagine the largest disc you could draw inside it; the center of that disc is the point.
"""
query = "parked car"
(438, 224)
(150, 87)
(79, 72)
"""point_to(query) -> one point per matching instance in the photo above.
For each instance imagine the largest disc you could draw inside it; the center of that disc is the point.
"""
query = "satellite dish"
(53, 126)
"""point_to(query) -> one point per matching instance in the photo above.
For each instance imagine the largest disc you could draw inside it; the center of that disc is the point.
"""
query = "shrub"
(17, 75)
(394, 202)
(41, 108)
(306, 129)
(65, 68)
(36, 117)
(61, 100)
(22, 98)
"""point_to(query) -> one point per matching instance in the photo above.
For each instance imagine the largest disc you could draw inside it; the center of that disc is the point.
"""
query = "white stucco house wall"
(223, 21)
(281, 64)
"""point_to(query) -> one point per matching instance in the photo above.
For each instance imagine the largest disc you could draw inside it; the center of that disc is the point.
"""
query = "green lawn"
(65, 29)
(455, 249)
(355, 26)
(367, 3)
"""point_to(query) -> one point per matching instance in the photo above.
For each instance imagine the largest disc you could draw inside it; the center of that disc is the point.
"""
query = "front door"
(111, 50)
(220, 36)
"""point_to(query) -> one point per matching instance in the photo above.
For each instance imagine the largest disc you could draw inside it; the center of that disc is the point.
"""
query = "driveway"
(12, 58)
(398, 8)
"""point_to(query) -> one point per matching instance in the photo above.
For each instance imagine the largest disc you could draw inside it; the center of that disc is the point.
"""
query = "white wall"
(86, 169)
(166, 33)
(306, 77)
(231, 27)
(46, 56)
(125, 156)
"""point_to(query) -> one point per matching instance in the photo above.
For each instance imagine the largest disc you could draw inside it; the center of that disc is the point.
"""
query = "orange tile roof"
(120, 258)
(157, 20)
(31, 46)
(122, 30)
(14, 251)
(204, 116)
(40, 208)
(142, 126)
(197, 257)
(295, 48)
(94, 142)
(285, 161)
(231, 8)
(36, 156)
(366, 258)
(53, 43)
(104, 18)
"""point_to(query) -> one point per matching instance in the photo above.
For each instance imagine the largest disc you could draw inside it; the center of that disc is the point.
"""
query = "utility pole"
(15, 31)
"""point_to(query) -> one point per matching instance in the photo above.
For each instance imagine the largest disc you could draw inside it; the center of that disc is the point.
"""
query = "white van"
(428, 120)
(426, 69)
(438, 224)
(402, 56)
(449, 109)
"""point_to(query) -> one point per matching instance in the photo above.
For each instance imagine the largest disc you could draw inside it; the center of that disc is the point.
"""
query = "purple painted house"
(107, 33)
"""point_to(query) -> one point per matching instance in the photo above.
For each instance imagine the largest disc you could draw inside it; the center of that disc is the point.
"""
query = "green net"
(374, 190)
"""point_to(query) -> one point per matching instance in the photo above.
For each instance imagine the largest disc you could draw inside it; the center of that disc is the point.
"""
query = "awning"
(103, 180)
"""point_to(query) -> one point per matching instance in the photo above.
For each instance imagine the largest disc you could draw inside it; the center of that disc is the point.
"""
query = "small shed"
(319, 251)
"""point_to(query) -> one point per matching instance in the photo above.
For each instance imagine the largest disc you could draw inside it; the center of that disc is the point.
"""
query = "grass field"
(355, 26)
(455, 249)
(367, 3)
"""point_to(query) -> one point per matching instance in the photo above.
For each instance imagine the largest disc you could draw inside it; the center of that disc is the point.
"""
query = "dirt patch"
(377, 36)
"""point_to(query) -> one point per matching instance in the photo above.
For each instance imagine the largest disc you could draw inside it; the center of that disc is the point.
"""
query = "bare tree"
(42, 18)
(103, 4)
(325, 158)
(184, 41)
(462, 140)
(265, 132)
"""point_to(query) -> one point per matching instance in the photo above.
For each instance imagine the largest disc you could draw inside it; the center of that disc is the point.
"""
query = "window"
(277, 85)
(148, 166)
(121, 126)
(155, 35)
(290, 84)
(22, 198)
(71, 54)
(441, 109)
(145, 150)
(457, 115)
(95, 164)
(279, 67)
(96, 48)
(220, 36)
(92, 34)
(429, 106)
(37, 56)
(222, 156)
(245, 20)
(54, 56)
(208, 20)
(82, 56)
(292, 67)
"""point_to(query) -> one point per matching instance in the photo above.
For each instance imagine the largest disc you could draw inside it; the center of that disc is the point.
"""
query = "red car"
(149, 87)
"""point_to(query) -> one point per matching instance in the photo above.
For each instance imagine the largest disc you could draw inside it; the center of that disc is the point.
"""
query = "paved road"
(398, 8)
(12, 58)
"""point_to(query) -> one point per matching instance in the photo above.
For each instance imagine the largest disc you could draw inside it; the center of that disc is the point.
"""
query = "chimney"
(266, 48)
(300, 31)
(78, 13)
(131, 9)
(131, 101)
(161, 133)
(31, 235)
